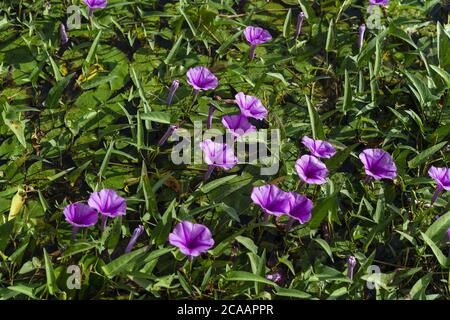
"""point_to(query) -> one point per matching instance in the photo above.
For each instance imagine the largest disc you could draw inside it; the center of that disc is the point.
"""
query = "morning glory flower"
(211, 111)
(80, 215)
(442, 178)
(275, 277)
(311, 170)
(319, 148)
(95, 4)
(300, 208)
(202, 79)
(173, 87)
(63, 34)
(379, 2)
(362, 30)
(136, 234)
(168, 133)
(108, 203)
(272, 199)
(378, 164)
(192, 239)
(298, 27)
(255, 36)
(351, 266)
(217, 155)
(250, 106)
(238, 125)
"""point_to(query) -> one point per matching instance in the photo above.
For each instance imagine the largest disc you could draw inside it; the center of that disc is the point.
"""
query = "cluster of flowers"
(193, 239)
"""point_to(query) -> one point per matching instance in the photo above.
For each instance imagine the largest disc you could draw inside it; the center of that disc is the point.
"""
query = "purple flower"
(95, 4)
(378, 164)
(80, 215)
(217, 155)
(255, 36)
(275, 277)
(272, 199)
(448, 233)
(311, 170)
(379, 2)
(362, 30)
(136, 234)
(442, 178)
(238, 125)
(351, 266)
(63, 34)
(300, 208)
(202, 79)
(319, 148)
(298, 28)
(168, 133)
(192, 239)
(173, 87)
(250, 106)
(108, 203)
(211, 111)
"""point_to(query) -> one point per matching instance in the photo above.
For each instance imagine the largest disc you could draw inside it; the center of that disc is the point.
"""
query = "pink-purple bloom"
(362, 30)
(298, 28)
(95, 4)
(311, 170)
(238, 125)
(80, 215)
(250, 106)
(379, 2)
(173, 87)
(378, 164)
(275, 277)
(63, 34)
(319, 148)
(108, 203)
(202, 79)
(192, 239)
(168, 133)
(300, 208)
(351, 266)
(272, 199)
(217, 154)
(136, 234)
(442, 178)
(255, 36)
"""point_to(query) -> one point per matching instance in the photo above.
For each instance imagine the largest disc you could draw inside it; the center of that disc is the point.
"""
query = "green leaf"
(216, 183)
(293, 293)
(287, 24)
(174, 50)
(126, 261)
(248, 243)
(162, 230)
(157, 116)
(418, 290)
(347, 93)
(442, 259)
(325, 247)
(56, 92)
(438, 230)
(316, 124)
(425, 155)
(247, 276)
(50, 275)
(105, 162)
(92, 50)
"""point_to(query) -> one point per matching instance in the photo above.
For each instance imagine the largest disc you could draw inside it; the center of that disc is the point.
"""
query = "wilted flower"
(362, 30)
(442, 178)
(192, 239)
(95, 4)
(272, 199)
(136, 234)
(311, 170)
(379, 2)
(202, 79)
(298, 28)
(168, 133)
(250, 106)
(351, 266)
(108, 203)
(173, 87)
(217, 155)
(63, 34)
(80, 215)
(319, 148)
(378, 164)
(238, 125)
(255, 36)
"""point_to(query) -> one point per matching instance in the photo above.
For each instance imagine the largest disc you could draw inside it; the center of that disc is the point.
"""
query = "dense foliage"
(87, 115)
